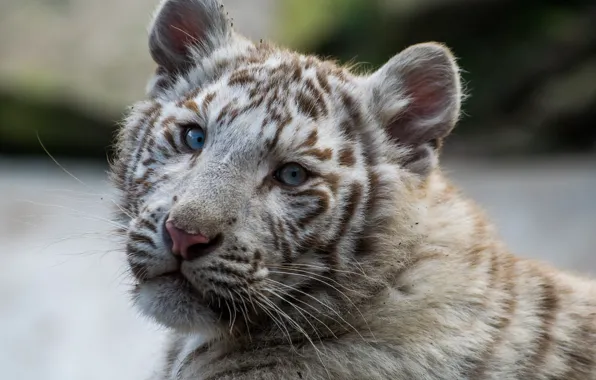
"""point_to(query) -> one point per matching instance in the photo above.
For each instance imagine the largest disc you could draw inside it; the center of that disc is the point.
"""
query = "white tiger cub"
(288, 219)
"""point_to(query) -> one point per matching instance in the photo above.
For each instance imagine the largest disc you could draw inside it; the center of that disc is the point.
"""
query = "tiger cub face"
(252, 175)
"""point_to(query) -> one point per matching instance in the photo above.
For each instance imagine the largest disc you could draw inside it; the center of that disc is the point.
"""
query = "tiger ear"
(417, 97)
(184, 30)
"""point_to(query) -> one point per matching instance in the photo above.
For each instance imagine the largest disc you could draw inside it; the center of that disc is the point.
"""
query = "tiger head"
(257, 182)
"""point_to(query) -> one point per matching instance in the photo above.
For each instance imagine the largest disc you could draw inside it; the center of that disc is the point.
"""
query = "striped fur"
(375, 268)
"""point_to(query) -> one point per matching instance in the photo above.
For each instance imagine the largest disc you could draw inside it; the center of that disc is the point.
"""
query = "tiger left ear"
(183, 30)
(417, 98)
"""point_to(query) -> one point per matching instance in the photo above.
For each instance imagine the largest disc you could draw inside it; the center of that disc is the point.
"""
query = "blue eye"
(291, 174)
(195, 137)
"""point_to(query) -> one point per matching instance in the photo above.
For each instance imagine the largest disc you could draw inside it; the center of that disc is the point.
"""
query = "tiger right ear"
(417, 97)
(184, 30)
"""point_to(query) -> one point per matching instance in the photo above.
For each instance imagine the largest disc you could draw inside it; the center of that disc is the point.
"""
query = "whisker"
(301, 330)
(336, 289)
(260, 300)
(304, 317)
(68, 172)
(363, 274)
(77, 213)
(58, 164)
(315, 309)
(300, 310)
(244, 313)
(242, 299)
(86, 235)
(233, 321)
(318, 278)
(76, 192)
(320, 302)
(290, 320)
(284, 316)
(229, 311)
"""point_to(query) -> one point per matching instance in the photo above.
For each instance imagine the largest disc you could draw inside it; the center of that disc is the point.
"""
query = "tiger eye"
(194, 137)
(291, 174)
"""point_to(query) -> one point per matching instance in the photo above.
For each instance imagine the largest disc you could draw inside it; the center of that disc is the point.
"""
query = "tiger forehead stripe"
(296, 70)
(311, 140)
(223, 112)
(189, 96)
(191, 105)
(207, 101)
(307, 105)
(320, 154)
(317, 94)
(323, 81)
(347, 156)
(241, 78)
(282, 122)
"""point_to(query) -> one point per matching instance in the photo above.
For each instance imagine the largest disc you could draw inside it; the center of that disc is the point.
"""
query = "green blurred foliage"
(307, 20)
(30, 123)
(529, 66)
(521, 61)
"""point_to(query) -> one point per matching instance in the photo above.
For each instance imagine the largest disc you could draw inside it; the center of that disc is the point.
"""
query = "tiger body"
(337, 249)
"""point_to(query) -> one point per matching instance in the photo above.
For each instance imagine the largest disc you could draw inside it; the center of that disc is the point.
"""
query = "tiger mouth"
(173, 275)
(204, 249)
(222, 307)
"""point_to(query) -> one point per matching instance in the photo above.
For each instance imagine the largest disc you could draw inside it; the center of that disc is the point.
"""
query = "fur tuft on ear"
(417, 97)
(183, 28)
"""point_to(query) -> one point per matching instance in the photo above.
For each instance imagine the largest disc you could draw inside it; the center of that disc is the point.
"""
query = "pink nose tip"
(185, 244)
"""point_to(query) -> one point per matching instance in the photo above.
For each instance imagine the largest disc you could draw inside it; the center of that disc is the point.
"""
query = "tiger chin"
(288, 219)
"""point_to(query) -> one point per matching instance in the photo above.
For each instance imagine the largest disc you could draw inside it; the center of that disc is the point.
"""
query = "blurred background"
(525, 149)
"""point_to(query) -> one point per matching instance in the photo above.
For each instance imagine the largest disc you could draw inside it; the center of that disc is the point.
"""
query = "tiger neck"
(452, 221)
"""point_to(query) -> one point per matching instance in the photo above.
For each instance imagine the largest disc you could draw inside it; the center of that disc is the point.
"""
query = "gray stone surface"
(64, 309)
